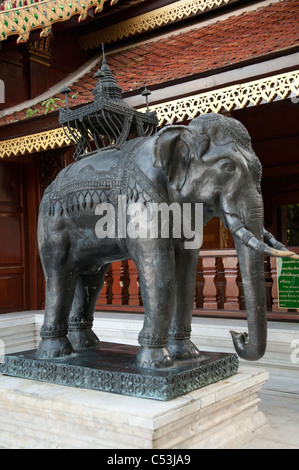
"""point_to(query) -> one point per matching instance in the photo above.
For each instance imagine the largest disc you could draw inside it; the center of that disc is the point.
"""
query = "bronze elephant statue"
(210, 162)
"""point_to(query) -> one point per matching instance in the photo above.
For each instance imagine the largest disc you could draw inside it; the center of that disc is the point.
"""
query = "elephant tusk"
(280, 253)
(279, 246)
(248, 239)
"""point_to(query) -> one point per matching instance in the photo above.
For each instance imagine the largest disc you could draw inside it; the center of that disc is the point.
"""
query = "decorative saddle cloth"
(101, 177)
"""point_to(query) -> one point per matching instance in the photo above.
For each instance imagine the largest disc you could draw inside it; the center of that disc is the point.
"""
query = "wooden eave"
(43, 123)
(147, 17)
(207, 74)
(42, 15)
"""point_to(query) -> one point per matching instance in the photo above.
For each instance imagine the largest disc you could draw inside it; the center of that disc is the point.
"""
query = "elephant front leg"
(179, 344)
(87, 291)
(156, 280)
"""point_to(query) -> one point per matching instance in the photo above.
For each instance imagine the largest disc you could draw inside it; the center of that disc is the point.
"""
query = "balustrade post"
(134, 293)
(230, 265)
(209, 289)
(116, 284)
(124, 282)
(199, 284)
(102, 300)
(106, 292)
(274, 292)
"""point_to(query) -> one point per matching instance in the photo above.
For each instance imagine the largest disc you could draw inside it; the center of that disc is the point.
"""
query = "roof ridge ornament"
(108, 121)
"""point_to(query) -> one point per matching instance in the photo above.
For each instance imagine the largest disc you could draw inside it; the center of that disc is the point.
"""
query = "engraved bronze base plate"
(111, 368)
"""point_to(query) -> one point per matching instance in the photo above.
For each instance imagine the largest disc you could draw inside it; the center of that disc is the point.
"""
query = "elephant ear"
(173, 151)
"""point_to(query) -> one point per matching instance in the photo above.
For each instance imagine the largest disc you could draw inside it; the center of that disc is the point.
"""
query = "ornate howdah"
(108, 121)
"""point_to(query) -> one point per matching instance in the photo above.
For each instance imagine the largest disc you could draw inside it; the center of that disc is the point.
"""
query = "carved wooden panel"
(12, 256)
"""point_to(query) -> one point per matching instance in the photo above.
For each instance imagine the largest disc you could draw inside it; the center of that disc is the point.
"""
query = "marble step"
(35, 415)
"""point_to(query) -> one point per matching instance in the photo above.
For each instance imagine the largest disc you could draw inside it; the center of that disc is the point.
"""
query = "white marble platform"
(20, 331)
(35, 415)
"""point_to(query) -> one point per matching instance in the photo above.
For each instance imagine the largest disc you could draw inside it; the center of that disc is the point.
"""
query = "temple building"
(235, 57)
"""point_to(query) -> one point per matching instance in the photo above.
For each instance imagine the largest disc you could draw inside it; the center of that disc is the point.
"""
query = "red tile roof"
(251, 35)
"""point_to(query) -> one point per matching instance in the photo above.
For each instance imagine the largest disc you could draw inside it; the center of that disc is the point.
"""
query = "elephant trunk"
(252, 345)
(251, 250)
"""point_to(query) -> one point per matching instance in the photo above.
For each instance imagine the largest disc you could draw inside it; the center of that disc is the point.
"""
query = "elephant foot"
(183, 350)
(50, 348)
(154, 358)
(84, 338)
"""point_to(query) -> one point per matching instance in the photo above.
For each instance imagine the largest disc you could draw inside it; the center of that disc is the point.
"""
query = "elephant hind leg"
(60, 287)
(87, 291)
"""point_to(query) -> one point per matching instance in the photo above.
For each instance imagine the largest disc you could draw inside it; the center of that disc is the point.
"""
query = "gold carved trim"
(226, 99)
(42, 15)
(42, 47)
(148, 21)
(34, 143)
(40, 50)
(253, 93)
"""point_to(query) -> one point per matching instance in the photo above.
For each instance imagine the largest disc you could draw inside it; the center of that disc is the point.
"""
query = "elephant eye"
(227, 167)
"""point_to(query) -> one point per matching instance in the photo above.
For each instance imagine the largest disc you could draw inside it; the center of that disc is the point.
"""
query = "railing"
(218, 289)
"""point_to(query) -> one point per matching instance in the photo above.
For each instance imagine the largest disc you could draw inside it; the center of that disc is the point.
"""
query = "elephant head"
(212, 161)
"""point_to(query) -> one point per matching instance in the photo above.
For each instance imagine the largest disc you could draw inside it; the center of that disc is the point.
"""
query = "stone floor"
(281, 407)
